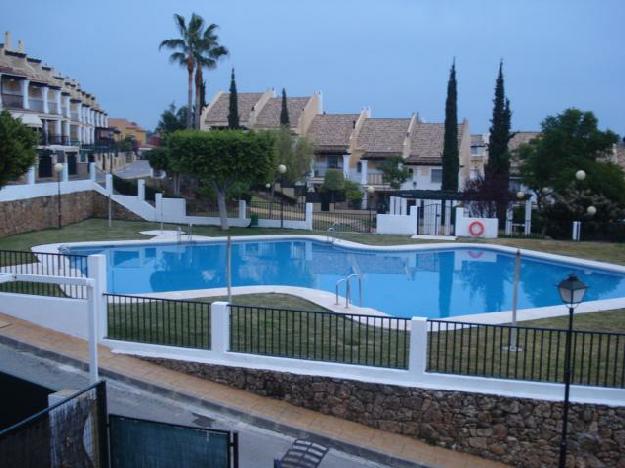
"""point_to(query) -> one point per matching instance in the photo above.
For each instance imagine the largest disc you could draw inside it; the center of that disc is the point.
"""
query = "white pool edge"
(327, 300)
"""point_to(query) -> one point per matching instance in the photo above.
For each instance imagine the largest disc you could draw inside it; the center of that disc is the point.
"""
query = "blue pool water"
(432, 283)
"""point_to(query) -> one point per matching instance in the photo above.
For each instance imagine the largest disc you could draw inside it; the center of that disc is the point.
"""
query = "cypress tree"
(284, 113)
(451, 154)
(498, 167)
(233, 111)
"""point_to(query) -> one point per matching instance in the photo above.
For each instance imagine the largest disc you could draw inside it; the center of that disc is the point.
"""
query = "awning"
(30, 120)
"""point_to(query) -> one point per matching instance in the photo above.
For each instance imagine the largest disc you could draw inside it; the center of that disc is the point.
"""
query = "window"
(359, 167)
(436, 176)
(333, 162)
(477, 150)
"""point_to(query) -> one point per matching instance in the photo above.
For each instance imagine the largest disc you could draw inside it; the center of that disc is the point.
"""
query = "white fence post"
(30, 175)
(65, 173)
(141, 189)
(418, 347)
(220, 327)
(242, 210)
(309, 216)
(509, 218)
(92, 171)
(96, 267)
(109, 184)
(528, 217)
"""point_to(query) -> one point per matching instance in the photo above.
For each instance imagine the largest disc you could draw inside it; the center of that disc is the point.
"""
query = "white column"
(509, 217)
(418, 347)
(346, 166)
(141, 189)
(66, 131)
(79, 111)
(65, 173)
(309, 216)
(44, 96)
(109, 184)
(92, 171)
(242, 210)
(61, 101)
(92, 135)
(57, 127)
(528, 217)
(363, 173)
(220, 327)
(25, 100)
(30, 175)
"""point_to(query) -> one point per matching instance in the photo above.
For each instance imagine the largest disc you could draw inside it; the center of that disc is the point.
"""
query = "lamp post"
(572, 291)
(281, 171)
(58, 169)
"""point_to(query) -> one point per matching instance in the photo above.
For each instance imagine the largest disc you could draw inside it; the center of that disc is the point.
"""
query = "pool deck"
(327, 300)
(277, 415)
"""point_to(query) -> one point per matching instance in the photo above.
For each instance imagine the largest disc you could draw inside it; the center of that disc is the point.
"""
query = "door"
(45, 166)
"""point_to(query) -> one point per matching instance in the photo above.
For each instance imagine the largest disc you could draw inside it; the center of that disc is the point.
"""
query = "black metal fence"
(127, 187)
(198, 207)
(320, 336)
(362, 221)
(159, 321)
(72, 432)
(277, 210)
(45, 264)
(523, 353)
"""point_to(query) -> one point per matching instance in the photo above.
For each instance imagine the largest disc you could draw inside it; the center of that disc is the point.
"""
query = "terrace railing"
(44, 264)
(159, 321)
(524, 353)
(320, 336)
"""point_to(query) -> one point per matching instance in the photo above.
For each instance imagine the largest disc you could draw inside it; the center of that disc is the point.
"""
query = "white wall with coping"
(399, 224)
(463, 224)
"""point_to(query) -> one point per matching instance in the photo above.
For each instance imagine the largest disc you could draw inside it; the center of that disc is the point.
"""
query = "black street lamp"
(58, 169)
(572, 291)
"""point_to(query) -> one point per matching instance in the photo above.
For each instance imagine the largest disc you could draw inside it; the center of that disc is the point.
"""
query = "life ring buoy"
(476, 228)
(475, 255)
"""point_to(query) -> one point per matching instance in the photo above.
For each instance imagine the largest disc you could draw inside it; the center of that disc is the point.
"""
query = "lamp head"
(572, 290)
(580, 175)
(58, 168)
(591, 211)
(520, 195)
(281, 168)
(370, 189)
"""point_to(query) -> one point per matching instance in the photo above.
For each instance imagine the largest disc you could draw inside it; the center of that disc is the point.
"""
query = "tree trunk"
(223, 213)
(198, 96)
(190, 99)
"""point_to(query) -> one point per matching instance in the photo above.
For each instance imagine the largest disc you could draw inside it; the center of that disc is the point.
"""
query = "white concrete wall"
(463, 225)
(398, 224)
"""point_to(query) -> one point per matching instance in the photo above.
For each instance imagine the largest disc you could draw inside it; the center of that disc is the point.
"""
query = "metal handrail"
(336, 290)
(348, 289)
(357, 275)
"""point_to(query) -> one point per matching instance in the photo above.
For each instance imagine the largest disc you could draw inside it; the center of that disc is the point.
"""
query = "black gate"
(45, 166)
(137, 443)
(363, 221)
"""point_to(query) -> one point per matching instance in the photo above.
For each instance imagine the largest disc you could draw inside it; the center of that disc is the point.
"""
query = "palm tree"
(207, 53)
(184, 51)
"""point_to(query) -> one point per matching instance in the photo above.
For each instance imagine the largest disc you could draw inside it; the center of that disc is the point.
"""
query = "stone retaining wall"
(35, 214)
(517, 431)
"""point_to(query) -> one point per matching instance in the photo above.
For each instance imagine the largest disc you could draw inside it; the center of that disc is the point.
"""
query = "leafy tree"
(451, 154)
(207, 52)
(497, 170)
(159, 158)
(233, 103)
(172, 119)
(394, 172)
(221, 160)
(353, 193)
(333, 181)
(284, 112)
(295, 153)
(17, 148)
(184, 51)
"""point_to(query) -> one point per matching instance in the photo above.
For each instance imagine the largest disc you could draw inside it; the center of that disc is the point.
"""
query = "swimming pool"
(433, 282)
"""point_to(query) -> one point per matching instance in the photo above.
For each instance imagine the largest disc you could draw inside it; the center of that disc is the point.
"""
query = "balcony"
(320, 171)
(36, 104)
(375, 179)
(12, 101)
(74, 116)
(53, 108)
(49, 139)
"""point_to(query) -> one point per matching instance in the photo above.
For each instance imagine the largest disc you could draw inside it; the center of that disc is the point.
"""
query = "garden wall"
(517, 431)
(35, 214)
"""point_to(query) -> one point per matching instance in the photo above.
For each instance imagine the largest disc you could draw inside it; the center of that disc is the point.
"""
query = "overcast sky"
(391, 55)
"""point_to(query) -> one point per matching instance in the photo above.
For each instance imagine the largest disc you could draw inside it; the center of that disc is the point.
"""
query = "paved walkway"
(135, 170)
(280, 415)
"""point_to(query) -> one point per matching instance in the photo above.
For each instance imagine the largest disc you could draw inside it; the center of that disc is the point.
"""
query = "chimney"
(7, 40)
(20, 46)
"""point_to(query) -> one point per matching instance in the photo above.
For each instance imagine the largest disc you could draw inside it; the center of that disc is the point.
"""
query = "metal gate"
(45, 166)
(432, 219)
(137, 443)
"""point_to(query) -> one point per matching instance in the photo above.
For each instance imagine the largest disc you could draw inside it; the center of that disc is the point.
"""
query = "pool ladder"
(348, 289)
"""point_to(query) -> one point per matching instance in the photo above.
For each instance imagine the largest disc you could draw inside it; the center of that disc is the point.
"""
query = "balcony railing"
(375, 179)
(36, 104)
(320, 171)
(12, 101)
(53, 108)
(47, 139)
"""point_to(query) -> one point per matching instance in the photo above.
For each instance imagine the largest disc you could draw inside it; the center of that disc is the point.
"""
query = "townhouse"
(71, 124)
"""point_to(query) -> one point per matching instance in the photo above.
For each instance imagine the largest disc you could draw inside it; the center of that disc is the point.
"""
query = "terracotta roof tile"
(383, 136)
(218, 113)
(332, 131)
(427, 141)
(269, 116)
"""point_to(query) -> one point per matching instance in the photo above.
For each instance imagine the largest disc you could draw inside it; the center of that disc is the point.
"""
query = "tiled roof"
(218, 113)
(332, 131)
(427, 141)
(519, 138)
(382, 136)
(269, 116)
